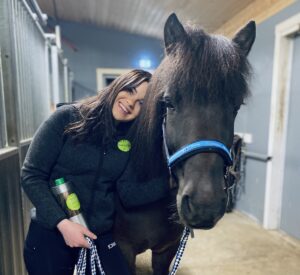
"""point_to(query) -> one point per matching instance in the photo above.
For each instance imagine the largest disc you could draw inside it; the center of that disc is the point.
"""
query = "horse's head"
(197, 90)
(204, 84)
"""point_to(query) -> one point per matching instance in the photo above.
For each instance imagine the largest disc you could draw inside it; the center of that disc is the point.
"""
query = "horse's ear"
(173, 32)
(245, 37)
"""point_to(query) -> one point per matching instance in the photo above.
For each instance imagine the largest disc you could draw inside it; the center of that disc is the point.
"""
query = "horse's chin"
(200, 223)
(203, 226)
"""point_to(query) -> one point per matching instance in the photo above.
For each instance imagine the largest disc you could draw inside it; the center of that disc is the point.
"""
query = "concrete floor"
(237, 245)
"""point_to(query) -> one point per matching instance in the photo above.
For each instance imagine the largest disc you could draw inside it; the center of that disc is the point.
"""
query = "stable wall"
(106, 48)
(255, 117)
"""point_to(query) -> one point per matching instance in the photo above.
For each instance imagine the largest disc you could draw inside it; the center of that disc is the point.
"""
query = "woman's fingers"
(79, 241)
(84, 243)
(89, 234)
(74, 234)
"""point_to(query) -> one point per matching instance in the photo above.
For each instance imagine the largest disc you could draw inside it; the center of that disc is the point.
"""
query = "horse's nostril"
(186, 206)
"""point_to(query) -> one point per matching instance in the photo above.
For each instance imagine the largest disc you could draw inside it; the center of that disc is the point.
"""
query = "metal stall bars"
(25, 101)
(11, 219)
(3, 131)
(32, 59)
(68, 81)
(61, 75)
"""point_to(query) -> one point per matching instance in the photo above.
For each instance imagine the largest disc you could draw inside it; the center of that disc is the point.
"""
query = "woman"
(86, 144)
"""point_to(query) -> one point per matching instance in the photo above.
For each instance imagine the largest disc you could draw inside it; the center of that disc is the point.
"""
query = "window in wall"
(106, 75)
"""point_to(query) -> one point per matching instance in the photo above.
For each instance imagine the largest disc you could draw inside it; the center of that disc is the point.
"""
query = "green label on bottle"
(73, 202)
(124, 145)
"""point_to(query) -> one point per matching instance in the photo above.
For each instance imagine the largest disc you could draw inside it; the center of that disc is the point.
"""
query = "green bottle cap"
(59, 181)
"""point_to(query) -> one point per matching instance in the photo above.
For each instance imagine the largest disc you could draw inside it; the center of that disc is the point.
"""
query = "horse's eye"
(168, 103)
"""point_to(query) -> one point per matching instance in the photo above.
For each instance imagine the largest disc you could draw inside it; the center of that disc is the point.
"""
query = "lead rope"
(180, 250)
(94, 259)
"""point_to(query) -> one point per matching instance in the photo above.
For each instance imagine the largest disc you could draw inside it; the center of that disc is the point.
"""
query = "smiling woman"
(88, 144)
(118, 102)
(127, 104)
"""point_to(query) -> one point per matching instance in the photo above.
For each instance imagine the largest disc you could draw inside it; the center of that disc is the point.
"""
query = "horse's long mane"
(209, 67)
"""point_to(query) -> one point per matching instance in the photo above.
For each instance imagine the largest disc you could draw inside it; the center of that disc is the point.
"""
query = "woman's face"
(127, 105)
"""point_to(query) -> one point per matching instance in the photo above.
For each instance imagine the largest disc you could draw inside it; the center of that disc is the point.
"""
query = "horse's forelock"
(212, 64)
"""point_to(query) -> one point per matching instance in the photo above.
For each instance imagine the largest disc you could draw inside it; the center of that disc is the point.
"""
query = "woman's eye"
(141, 102)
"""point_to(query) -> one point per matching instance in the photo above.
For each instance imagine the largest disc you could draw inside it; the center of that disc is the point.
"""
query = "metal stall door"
(290, 217)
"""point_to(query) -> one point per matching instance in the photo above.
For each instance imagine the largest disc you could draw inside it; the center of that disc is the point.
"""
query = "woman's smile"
(128, 104)
(124, 109)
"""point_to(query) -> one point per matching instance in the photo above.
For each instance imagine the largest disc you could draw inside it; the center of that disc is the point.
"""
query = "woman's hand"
(74, 233)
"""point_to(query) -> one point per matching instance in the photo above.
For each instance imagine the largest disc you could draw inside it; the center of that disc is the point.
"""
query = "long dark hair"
(96, 123)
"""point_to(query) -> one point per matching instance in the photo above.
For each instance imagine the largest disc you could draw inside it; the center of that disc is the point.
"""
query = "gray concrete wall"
(254, 117)
(98, 47)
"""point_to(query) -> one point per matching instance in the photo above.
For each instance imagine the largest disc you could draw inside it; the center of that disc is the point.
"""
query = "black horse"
(195, 94)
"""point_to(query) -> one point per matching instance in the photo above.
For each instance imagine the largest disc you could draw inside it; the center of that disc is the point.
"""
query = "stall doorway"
(290, 218)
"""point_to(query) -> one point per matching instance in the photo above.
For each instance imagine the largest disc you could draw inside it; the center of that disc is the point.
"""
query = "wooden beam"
(258, 10)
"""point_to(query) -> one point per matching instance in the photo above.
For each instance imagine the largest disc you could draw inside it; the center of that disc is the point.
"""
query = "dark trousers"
(45, 253)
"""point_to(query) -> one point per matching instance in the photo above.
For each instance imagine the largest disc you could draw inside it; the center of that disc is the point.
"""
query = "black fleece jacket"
(97, 174)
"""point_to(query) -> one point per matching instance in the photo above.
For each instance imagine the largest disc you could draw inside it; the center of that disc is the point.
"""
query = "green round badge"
(124, 145)
(73, 202)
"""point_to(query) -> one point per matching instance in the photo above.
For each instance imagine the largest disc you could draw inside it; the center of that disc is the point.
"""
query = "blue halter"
(201, 146)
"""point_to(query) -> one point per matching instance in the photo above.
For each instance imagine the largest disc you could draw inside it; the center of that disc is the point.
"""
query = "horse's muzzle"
(201, 216)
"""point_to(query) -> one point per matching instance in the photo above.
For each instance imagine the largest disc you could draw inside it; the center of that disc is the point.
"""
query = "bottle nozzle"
(59, 181)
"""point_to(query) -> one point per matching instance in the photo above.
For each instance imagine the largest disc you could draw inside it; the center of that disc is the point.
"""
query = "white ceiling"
(145, 17)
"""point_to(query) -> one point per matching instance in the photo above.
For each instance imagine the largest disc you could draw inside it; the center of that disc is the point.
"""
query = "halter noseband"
(200, 146)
